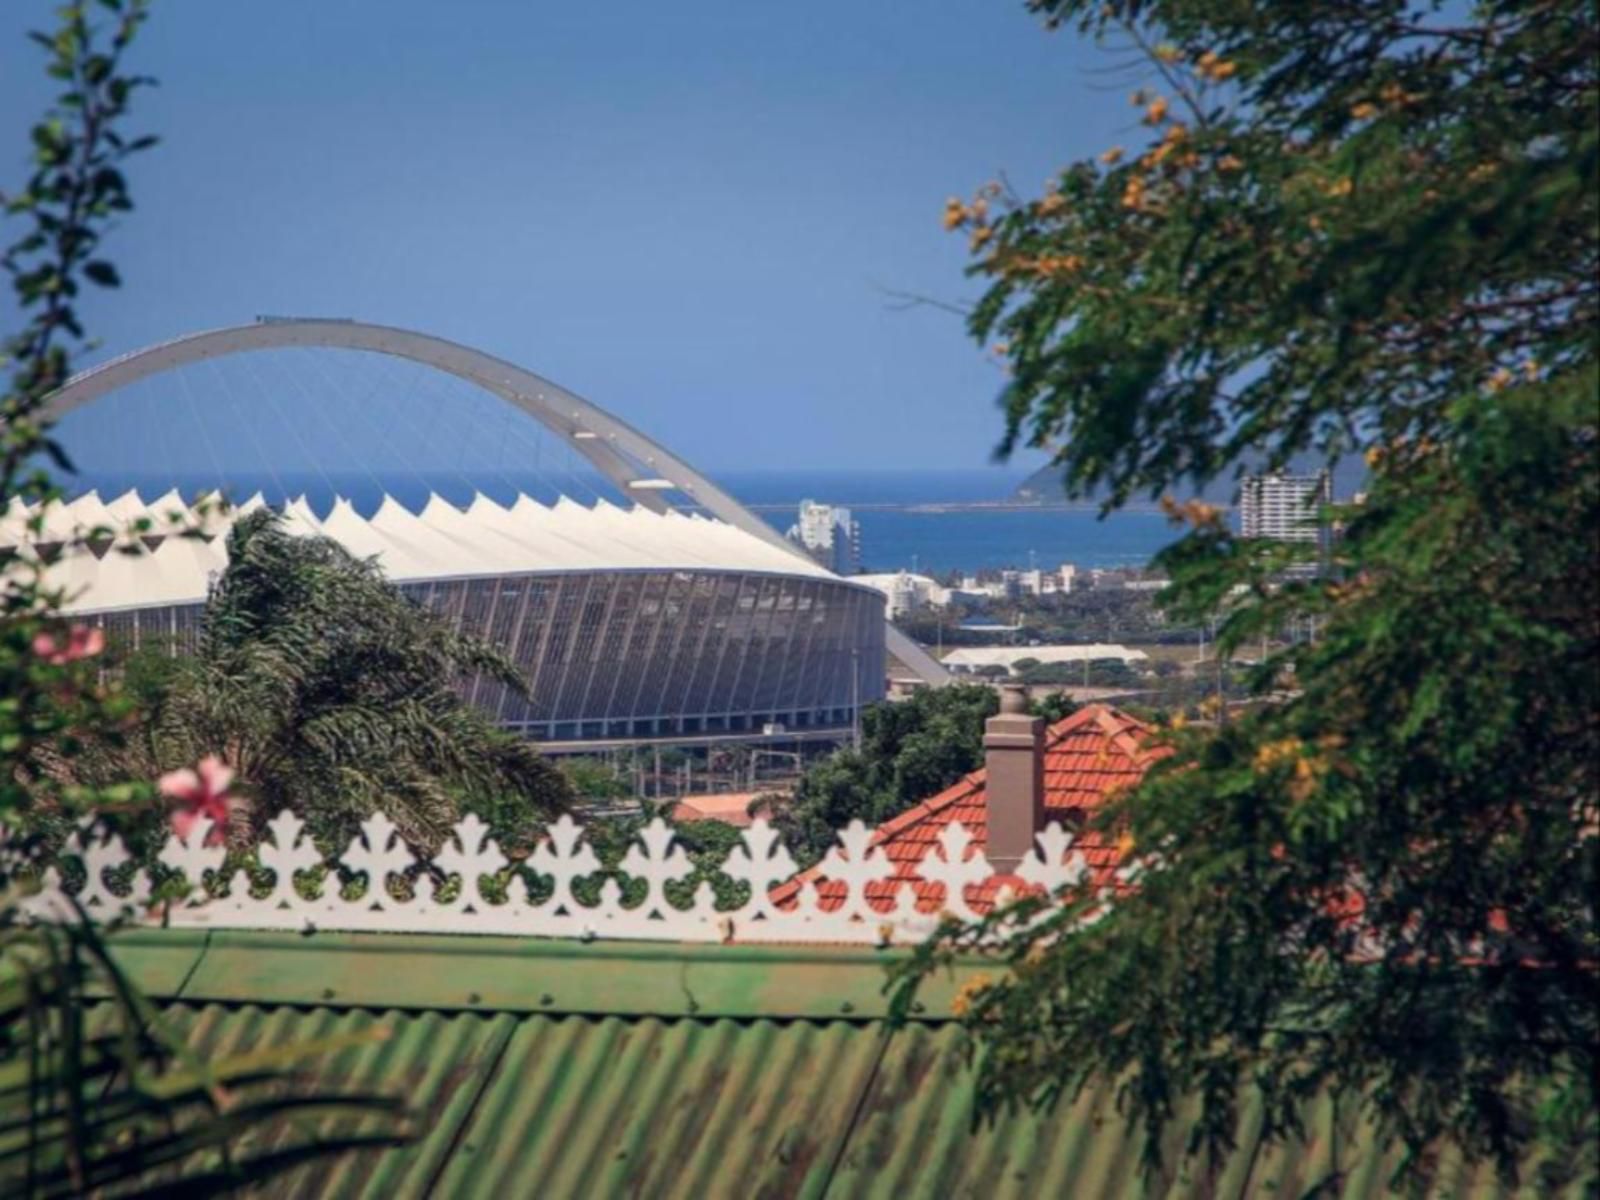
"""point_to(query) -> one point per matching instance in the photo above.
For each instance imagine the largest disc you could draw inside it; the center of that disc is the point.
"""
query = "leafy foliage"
(332, 693)
(707, 844)
(1357, 228)
(1099, 672)
(96, 1096)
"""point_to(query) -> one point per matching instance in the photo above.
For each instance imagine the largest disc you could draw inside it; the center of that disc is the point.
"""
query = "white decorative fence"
(463, 904)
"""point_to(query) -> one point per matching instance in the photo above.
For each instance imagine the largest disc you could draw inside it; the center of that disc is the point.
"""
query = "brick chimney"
(1013, 751)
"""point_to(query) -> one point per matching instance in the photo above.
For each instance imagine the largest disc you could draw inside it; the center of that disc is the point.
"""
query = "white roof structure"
(440, 542)
(972, 657)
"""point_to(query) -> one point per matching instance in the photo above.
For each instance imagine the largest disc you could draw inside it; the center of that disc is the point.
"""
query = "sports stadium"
(671, 614)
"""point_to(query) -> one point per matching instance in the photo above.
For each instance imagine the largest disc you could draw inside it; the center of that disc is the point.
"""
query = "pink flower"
(82, 641)
(200, 793)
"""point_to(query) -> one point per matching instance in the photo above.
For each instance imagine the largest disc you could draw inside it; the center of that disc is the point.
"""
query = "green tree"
(595, 779)
(96, 1096)
(910, 750)
(332, 693)
(1053, 707)
(1355, 227)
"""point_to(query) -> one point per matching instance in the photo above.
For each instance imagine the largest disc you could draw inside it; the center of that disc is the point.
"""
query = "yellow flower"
(1168, 53)
(1394, 95)
(980, 235)
(1125, 844)
(1211, 66)
(1229, 162)
(1304, 781)
(1499, 379)
(962, 1004)
(1339, 188)
(1133, 194)
(1364, 111)
(1374, 455)
(1270, 754)
(955, 213)
(1112, 156)
(1156, 112)
(1194, 512)
(1051, 204)
(1530, 369)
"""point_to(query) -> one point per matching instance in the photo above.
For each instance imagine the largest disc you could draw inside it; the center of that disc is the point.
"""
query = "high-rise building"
(831, 536)
(1282, 507)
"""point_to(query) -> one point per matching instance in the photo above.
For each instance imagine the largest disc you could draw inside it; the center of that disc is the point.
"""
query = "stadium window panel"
(652, 637)
(646, 592)
(534, 630)
(748, 645)
(678, 666)
(508, 603)
(587, 644)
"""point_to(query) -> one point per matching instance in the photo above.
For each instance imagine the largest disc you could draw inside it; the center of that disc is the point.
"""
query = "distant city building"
(906, 592)
(830, 535)
(1282, 507)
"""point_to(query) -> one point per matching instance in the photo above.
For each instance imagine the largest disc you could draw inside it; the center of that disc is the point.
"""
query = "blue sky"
(684, 212)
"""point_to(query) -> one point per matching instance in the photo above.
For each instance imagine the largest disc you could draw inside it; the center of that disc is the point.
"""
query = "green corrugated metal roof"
(560, 1069)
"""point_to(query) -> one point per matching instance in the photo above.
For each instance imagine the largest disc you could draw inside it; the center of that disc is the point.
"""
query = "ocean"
(916, 535)
(961, 539)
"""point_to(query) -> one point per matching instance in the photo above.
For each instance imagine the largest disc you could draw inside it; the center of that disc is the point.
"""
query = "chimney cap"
(1013, 699)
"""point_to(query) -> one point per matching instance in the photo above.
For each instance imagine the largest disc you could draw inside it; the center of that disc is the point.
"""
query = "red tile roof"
(732, 807)
(1088, 757)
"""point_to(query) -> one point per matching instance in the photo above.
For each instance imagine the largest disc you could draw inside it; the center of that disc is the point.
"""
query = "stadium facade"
(629, 624)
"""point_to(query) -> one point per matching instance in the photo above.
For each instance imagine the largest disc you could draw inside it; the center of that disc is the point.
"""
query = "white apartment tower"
(831, 536)
(1282, 507)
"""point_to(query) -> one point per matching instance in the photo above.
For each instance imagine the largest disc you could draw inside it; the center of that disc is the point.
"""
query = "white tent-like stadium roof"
(440, 542)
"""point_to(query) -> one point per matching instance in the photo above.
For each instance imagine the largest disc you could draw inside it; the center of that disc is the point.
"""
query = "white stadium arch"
(640, 467)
